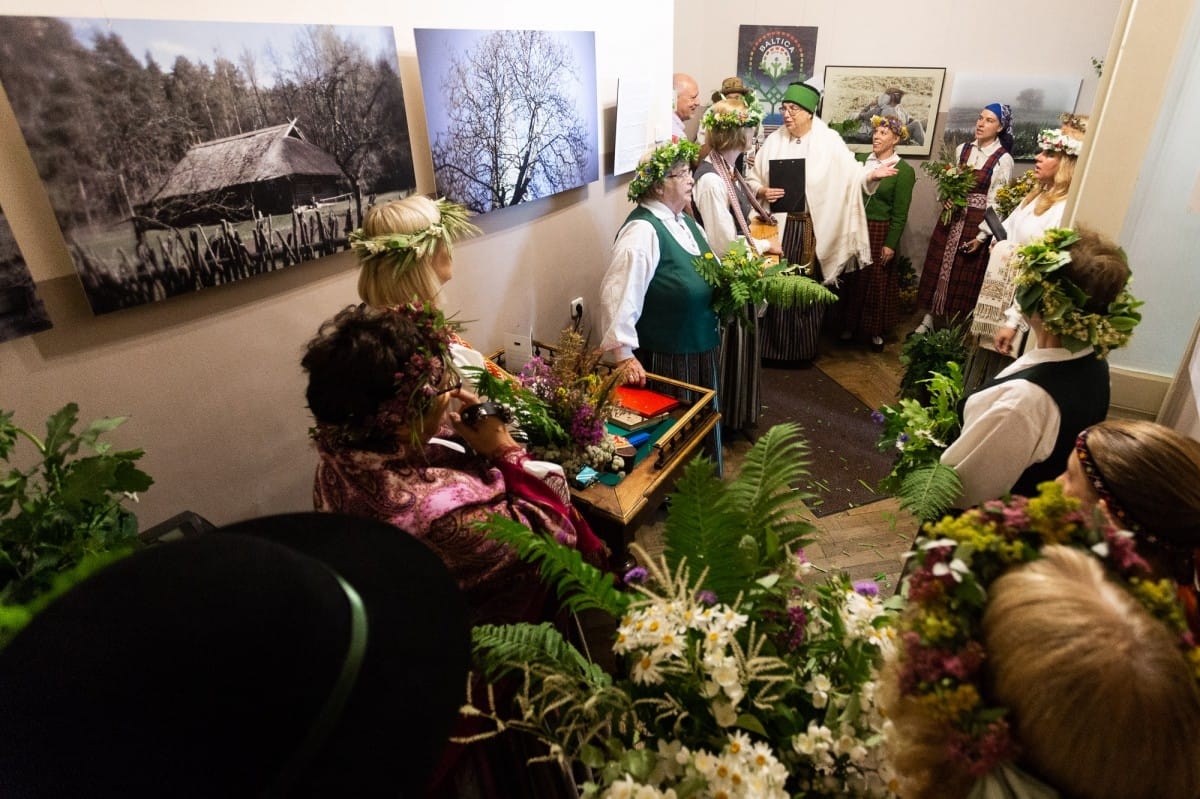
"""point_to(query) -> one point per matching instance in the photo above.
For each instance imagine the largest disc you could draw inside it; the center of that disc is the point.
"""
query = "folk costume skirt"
(792, 334)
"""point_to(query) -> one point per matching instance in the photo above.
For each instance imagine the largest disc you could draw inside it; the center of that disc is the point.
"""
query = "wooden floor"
(865, 542)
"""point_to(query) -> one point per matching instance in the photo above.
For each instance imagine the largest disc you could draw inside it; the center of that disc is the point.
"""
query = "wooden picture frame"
(854, 94)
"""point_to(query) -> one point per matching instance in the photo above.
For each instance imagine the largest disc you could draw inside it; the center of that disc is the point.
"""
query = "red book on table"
(645, 401)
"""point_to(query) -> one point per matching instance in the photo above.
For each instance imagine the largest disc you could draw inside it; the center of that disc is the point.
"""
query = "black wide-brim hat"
(223, 665)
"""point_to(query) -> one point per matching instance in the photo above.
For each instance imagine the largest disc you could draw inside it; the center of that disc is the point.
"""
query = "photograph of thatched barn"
(267, 171)
(180, 155)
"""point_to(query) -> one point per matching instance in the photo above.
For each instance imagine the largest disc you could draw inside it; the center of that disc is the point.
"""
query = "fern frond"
(705, 530)
(929, 491)
(497, 650)
(579, 585)
(776, 462)
(796, 291)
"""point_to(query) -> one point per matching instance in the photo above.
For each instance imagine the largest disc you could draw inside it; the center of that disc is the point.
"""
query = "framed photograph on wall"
(855, 94)
(1037, 102)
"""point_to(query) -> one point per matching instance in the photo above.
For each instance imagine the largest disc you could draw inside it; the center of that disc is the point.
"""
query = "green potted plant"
(63, 516)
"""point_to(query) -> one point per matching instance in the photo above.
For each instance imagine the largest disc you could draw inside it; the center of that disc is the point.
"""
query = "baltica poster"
(772, 56)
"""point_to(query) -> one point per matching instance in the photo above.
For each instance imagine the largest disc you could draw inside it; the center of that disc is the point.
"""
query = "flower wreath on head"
(1069, 120)
(749, 117)
(410, 248)
(955, 563)
(656, 167)
(1055, 141)
(1042, 288)
(893, 124)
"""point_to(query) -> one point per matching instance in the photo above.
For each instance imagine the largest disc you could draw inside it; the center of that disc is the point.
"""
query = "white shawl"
(834, 183)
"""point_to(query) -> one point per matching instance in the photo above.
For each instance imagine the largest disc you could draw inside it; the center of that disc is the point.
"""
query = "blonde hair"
(1101, 700)
(1045, 197)
(727, 138)
(381, 283)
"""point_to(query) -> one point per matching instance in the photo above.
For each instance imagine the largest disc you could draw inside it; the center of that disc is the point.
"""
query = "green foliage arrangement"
(918, 435)
(740, 280)
(926, 353)
(741, 673)
(64, 516)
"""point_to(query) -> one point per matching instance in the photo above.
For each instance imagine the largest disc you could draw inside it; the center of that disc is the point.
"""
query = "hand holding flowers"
(954, 182)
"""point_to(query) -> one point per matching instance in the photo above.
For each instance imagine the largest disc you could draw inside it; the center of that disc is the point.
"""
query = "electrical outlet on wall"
(576, 309)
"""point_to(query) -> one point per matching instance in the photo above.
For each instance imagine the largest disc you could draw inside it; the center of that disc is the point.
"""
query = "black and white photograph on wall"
(1037, 102)
(21, 309)
(855, 95)
(512, 114)
(772, 56)
(181, 155)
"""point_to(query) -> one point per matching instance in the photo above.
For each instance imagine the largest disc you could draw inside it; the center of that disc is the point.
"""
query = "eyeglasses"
(684, 173)
(787, 109)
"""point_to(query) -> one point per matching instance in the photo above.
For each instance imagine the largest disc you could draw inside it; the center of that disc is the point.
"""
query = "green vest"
(677, 315)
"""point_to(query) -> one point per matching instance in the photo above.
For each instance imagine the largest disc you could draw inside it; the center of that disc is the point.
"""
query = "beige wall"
(211, 381)
(1144, 44)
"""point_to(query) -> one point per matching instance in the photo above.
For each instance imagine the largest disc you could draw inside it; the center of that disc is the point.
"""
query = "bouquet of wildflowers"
(954, 182)
(1010, 196)
(741, 673)
(561, 403)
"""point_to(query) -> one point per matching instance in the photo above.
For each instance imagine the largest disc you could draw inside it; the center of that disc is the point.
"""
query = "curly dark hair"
(352, 364)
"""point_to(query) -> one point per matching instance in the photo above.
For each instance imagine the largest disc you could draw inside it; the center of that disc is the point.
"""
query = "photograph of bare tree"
(181, 155)
(21, 308)
(512, 115)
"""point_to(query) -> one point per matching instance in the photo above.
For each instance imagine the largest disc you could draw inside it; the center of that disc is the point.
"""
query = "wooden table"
(615, 512)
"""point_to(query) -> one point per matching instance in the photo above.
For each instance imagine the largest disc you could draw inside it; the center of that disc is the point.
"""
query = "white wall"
(211, 381)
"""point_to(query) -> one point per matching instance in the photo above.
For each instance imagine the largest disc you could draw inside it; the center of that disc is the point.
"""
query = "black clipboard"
(787, 174)
(994, 224)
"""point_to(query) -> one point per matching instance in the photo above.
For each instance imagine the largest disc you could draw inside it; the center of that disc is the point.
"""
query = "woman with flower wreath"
(954, 266)
(1038, 659)
(379, 385)
(871, 298)
(655, 309)
(997, 318)
(723, 205)
(1144, 477)
(405, 252)
(1019, 427)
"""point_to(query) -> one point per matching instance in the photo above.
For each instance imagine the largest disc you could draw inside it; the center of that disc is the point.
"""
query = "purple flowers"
(706, 598)
(636, 575)
(866, 587)
(877, 417)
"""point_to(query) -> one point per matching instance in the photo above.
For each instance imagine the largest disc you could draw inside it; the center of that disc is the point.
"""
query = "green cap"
(802, 95)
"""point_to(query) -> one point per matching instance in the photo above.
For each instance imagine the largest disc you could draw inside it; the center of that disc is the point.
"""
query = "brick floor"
(865, 542)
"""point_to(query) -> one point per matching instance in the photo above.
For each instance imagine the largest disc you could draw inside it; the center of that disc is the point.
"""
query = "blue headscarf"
(1004, 114)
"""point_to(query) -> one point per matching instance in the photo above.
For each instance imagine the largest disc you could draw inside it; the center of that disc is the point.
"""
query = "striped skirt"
(694, 368)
